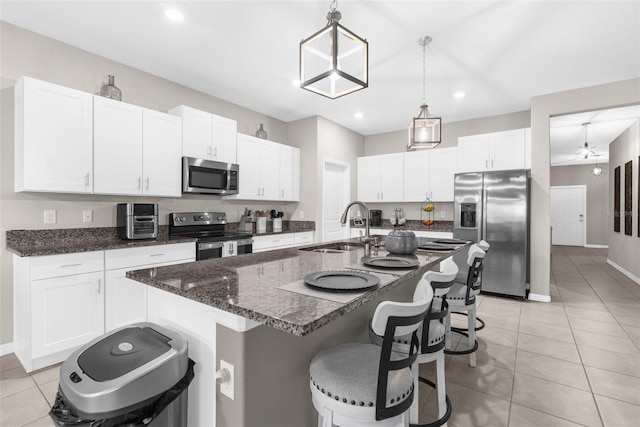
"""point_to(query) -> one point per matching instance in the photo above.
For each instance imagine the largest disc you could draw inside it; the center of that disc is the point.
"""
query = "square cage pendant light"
(334, 61)
(424, 130)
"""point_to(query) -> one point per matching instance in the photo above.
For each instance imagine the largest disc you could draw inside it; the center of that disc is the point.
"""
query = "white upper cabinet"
(137, 151)
(268, 170)
(442, 172)
(492, 151)
(161, 160)
(429, 174)
(289, 173)
(53, 138)
(416, 176)
(381, 178)
(207, 136)
(117, 145)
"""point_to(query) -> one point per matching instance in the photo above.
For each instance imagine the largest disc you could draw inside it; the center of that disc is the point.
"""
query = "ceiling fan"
(585, 150)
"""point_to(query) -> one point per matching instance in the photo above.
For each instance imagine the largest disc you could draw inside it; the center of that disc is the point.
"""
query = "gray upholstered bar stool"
(461, 261)
(358, 384)
(462, 299)
(432, 338)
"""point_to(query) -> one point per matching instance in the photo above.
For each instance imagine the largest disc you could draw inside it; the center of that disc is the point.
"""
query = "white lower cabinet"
(280, 241)
(58, 305)
(125, 299)
(66, 312)
(61, 302)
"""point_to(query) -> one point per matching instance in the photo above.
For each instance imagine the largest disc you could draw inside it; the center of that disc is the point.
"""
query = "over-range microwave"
(209, 177)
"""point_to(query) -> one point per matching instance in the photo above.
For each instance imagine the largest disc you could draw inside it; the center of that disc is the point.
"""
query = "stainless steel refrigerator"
(494, 206)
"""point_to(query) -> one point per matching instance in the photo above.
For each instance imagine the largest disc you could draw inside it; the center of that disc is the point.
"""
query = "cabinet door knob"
(86, 179)
(139, 183)
(99, 286)
(215, 152)
(147, 183)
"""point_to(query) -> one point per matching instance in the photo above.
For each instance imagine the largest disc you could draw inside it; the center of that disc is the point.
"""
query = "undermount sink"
(334, 248)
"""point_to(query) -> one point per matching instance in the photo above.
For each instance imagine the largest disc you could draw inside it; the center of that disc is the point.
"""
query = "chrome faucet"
(367, 235)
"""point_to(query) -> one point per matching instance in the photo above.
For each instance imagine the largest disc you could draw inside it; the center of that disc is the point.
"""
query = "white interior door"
(336, 193)
(568, 215)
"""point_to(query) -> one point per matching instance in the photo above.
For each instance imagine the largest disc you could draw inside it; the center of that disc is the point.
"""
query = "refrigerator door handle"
(483, 230)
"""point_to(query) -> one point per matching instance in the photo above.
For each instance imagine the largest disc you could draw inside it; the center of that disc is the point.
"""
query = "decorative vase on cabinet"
(110, 90)
(261, 133)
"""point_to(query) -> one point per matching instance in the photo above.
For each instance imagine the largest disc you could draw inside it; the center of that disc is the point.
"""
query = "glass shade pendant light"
(334, 61)
(424, 130)
(597, 170)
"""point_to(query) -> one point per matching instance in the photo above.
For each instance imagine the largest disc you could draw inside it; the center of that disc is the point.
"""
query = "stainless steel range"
(208, 229)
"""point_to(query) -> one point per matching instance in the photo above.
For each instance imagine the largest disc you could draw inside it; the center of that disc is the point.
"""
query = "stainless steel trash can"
(140, 372)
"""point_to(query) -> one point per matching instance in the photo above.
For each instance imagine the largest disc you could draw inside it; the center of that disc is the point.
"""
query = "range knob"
(220, 218)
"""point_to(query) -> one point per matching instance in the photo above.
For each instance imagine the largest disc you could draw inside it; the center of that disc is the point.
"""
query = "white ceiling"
(567, 134)
(500, 53)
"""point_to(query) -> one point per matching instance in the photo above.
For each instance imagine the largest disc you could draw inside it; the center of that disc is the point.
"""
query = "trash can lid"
(122, 352)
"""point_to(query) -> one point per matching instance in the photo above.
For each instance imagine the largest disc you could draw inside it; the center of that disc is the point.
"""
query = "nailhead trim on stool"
(355, 383)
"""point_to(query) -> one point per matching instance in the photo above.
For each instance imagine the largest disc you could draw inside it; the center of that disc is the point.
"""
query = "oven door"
(209, 250)
(206, 176)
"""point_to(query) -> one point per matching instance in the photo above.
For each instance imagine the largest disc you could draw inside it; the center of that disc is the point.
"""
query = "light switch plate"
(226, 387)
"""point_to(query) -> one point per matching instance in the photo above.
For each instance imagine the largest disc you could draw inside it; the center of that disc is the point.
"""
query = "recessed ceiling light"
(174, 15)
(459, 94)
(358, 115)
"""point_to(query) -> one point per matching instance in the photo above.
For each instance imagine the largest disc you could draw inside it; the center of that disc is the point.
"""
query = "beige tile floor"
(572, 362)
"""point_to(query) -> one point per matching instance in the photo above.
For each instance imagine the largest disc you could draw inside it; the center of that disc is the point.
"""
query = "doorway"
(568, 215)
(336, 193)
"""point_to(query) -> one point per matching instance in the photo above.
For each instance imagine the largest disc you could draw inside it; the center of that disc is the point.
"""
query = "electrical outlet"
(49, 216)
(301, 213)
(87, 216)
(226, 387)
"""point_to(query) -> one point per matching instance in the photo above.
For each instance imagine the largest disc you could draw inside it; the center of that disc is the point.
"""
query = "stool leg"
(415, 405)
(441, 385)
(447, 331)
(472, 334)
(326, 418)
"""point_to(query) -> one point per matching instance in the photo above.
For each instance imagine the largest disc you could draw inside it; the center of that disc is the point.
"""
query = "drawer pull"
(70, 265)
(156, 255)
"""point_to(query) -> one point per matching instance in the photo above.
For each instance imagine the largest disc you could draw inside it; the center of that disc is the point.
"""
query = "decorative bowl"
(401, 242)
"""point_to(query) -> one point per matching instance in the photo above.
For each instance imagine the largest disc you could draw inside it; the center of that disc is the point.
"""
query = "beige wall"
(542, 109)
(26, 53)
(597, 218)
(624, 250)
(396, 142)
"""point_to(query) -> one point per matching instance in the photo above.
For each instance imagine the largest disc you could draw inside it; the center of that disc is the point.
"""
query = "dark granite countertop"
(247, 285)
(71, 240)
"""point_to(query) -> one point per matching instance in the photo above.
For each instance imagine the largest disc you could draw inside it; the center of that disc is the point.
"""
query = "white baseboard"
(590, 246)
(539, 298)
(6, 348)
(623, 271)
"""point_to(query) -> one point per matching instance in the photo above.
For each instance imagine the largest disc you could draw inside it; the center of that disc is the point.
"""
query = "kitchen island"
(255, 313)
